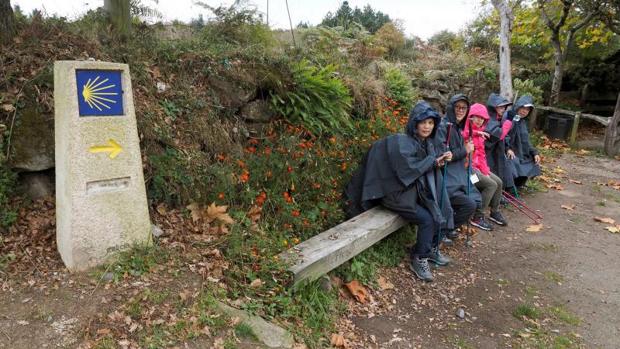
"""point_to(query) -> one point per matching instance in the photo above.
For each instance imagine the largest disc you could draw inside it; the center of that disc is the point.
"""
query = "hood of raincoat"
(420, 112)
(524, 101)
(477, 109)
(450, 114)
(495, 101)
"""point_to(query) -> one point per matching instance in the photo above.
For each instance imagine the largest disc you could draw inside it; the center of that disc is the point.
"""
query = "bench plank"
(326, 251)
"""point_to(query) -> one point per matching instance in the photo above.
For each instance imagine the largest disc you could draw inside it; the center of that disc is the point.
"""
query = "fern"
(318, 99)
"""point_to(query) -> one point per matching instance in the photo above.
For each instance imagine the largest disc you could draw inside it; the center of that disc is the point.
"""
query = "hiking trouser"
(520, 181)
(490, 188)
(405, 204)
(463, 207)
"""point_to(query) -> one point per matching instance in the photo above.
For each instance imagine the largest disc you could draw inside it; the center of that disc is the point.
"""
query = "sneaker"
(419, 266)
(497, 218)
(479, 222)
(438, 258)
(446, 241)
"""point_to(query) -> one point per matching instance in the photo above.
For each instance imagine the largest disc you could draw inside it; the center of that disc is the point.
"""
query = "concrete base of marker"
(101, 205)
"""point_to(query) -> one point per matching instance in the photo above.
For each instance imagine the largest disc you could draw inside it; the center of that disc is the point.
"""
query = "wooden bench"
(320, 254)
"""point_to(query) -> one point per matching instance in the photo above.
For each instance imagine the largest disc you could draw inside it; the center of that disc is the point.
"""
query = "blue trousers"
(405, 204)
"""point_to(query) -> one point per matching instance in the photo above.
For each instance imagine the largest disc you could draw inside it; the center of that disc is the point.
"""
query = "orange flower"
(250, 150)
(245, 176)
(220, 196)
(332, 140)
(253, 141)
(287, 197)
(241, 163)
(260, 198)
(221, 157)
(289, 169)
(295, 213)
(343, 166)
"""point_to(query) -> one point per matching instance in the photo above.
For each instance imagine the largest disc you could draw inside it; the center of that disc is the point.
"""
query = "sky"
(421, 18)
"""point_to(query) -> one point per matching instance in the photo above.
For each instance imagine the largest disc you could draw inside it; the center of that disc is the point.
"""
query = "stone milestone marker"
(100, 195)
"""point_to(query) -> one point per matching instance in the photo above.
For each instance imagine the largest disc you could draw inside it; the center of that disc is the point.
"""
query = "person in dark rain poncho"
(520, 152)
(496, 132)
(463, 195)
(402, 173)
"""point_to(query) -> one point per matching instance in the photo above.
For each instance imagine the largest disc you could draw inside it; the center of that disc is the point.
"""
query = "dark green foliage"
(7, 186)
(368, 18)
(399, 87)
(317, 99)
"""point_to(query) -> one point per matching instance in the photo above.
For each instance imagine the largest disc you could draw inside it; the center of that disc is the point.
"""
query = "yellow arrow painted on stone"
(113, 148)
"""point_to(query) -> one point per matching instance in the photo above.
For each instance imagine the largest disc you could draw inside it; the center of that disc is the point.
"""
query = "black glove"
(510, 115)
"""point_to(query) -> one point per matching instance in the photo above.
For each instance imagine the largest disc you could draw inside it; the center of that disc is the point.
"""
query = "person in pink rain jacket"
(489, 184)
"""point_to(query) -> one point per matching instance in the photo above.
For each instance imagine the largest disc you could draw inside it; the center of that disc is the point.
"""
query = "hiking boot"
(438, 258)
(479, 222)
(446, 241)
(419, 266)
(497, 218)
(452, 234)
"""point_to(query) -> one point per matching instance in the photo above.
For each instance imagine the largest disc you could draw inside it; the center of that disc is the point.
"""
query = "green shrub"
(399, 87)
(8, 215)
(528, 87)
(317, 99)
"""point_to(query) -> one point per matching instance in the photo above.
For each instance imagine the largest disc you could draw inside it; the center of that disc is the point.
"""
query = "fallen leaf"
(161, 208)
(8, 108)
(195, 211)
(605, 220)
(215, 212)
(103, 331)
(582, 152)
(534, 228)
(357, 290)
(568, 207)
(614, 229)
(338, 341)
(256, 283)
(575, 181)
(555, 186)
(384, 284)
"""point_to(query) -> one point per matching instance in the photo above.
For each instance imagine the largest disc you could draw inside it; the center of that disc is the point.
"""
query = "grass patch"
(244, 331)
(560, 313)
(463, 344)
(136, 261)
(526, 310)
(553, 276)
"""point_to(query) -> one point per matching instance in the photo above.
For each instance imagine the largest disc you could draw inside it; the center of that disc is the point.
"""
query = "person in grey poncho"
(520, 152)
(463, 195)
(402, 173)
(497, 129)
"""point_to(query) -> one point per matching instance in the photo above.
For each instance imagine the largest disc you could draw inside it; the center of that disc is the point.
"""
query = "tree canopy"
(368, 18)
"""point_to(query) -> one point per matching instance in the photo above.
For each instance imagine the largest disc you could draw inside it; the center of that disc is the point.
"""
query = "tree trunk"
(119, 14)
(558, 71)
(7, 22)
(505, 74)
(612, 132)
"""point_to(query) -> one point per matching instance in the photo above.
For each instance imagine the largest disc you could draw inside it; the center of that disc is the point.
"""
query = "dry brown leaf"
(615, 229)
(357, 290)
(254, 213)
(384, 284)
(195, 211)
(568, 207)
(575, 181)
(338, 341)
(555, 186)
(256, 283)
(8, 108)
(215, 212)
(582, 152)
(162, 209)
(535, 228)
(605, 220)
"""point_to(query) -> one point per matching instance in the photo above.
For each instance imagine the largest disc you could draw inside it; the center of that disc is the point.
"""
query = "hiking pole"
(443, 182)
(521, 203)
(511, 200)
(467, 237)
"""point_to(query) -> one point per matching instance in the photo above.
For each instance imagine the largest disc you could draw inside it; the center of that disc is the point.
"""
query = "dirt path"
(557, 288)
